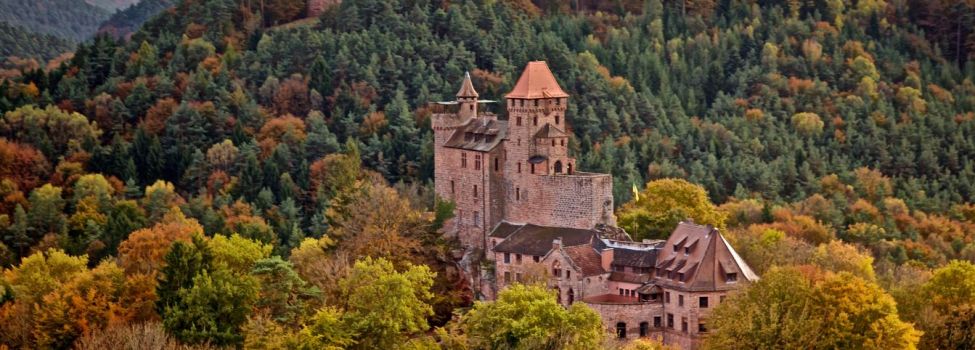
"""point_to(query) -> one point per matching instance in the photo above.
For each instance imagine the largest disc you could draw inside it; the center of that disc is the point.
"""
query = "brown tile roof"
(537, 240)
(629, 277)
(536, 81)
(634, 258)
(466, 87)
(478, 135)
(504, 228)
(585, 257)
(705, 266)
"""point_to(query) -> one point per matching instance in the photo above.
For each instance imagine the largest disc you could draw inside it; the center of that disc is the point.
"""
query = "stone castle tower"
(517, 170)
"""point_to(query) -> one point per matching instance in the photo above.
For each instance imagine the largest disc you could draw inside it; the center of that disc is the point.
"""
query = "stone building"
(523, 206)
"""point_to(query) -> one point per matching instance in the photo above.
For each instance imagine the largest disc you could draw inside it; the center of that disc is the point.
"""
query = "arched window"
(558, 167)
(572, 296)
(570, 168)
(621, 330)
(644, 329)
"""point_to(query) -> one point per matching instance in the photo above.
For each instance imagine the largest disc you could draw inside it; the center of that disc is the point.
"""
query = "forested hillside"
(128, 20)
(70, 19)
(222, 171)
(18, 41)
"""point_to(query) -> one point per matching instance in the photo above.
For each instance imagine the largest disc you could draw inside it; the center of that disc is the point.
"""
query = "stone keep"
(515, 170)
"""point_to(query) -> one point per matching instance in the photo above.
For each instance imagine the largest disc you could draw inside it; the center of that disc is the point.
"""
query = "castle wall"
(577, 201)
(632, 314)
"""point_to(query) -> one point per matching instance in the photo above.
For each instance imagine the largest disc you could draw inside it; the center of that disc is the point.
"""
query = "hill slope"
(20, 42)
(69, 19)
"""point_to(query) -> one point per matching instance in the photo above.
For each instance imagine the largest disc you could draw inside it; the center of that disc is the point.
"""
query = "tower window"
(496, 165)
(536, 103)
(518, 121)
(475, 191)
(558, 101)
(518, 193)
(562, 142)
(452, 187)
(533, 168)
(477, 162)
(519, 167)
(553, 142)
(463, 160)
(477, 218)
(522, 102)
(535, 121)
(557, 119)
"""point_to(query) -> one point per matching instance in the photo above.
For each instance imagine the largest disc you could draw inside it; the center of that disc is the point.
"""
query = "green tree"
(787, 309)
(384, 323)
(664, 203)
(529, 317)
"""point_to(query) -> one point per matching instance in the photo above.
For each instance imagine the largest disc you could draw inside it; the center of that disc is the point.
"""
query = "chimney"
(557, 243)
(607, 259)
(689, 220)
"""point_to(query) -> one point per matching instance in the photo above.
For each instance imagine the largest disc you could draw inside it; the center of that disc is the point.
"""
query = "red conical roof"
(467, 88)
(537, 81)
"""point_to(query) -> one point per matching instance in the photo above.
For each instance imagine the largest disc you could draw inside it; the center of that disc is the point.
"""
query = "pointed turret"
(467, 88)
(535, 82)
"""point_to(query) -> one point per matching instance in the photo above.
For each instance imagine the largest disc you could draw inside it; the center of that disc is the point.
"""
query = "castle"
(522, 204)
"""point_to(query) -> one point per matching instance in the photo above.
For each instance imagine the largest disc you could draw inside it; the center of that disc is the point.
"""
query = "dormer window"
(731, 277)
(676, 248)
(687, 250)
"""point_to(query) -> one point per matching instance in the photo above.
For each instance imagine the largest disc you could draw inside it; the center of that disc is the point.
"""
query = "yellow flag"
(636, 193)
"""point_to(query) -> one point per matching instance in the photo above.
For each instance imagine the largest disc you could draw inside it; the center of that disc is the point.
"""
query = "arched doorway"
(558, 167)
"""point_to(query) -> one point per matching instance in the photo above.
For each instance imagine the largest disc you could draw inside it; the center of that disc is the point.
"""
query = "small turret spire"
(467, 87)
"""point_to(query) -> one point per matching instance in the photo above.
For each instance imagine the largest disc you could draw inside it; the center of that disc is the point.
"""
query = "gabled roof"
(704, 268)
(466, 87)
(479, 135)
(537, 240)
(585, 257)
(549, 131)
(536, 81)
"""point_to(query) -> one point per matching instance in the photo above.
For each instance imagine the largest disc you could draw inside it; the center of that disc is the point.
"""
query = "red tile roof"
(537, 81)
(589, 262)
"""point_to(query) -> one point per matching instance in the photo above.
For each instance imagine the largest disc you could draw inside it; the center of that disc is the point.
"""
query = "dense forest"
(18, 41)
(127, 21)
(235, 174)
(68, 19)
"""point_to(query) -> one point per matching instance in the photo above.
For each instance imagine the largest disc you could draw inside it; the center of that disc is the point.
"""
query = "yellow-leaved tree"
(664, 203)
